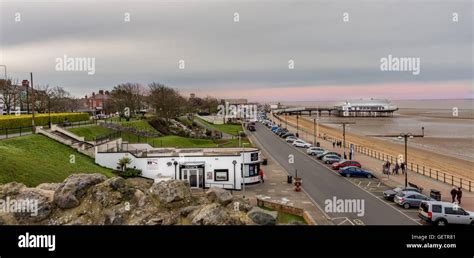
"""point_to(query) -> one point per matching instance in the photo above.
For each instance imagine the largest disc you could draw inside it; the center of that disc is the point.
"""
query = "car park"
(330, 159)
(444, 213)
(408, 199)
(300, 143)
(345, 163)
(315, 151)
(390, 194)
(355, 171)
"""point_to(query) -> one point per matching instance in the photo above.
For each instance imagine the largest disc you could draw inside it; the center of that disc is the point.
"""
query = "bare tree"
(8, 94)
(126, 95)
(167, 102)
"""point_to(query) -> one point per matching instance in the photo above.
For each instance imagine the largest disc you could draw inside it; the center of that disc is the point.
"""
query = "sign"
(152, 164)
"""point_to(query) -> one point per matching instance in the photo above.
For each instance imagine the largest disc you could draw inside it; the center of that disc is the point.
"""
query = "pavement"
(323, 185)
(276, 189)
(375, 166)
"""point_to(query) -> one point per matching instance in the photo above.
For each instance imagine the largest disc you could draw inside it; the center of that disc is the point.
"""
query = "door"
(194, 176)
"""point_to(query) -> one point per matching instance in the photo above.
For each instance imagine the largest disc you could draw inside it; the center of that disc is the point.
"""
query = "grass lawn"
(232, 129)
(140, 125)
(90, 132)
(285, 218)
(36, 159)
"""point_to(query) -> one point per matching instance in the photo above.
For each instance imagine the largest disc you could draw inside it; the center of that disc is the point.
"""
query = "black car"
(251, 128)
(390, 194)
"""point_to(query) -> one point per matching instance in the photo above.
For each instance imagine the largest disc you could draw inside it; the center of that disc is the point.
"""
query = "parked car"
(330, 159)
(282, 132)
(444, 213)
(315, 150)
(286, 135)
(355, 171)
(345, 163)
(408, 199)
(291, 139)
(390, 194)
(320, 156)
(251, 128)
(300, 143)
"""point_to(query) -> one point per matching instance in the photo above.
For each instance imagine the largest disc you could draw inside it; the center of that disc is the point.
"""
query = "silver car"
(408, 199)
(444, 213)
(330, 158)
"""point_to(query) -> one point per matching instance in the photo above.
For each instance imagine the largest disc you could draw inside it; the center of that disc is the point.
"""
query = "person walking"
(334, 144)
(345, 156)
(454, 193)
(261, 174)
(395, 168)
(402, 167)
(459, 195)
(350, 155)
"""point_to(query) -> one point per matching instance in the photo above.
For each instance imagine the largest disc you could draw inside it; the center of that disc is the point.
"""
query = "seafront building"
(366, 108)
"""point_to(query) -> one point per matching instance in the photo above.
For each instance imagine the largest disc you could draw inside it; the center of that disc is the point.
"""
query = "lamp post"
(175, 163)
(297, 127)
(234, 162)
(405, 137)
(5, 74)
(49, 110)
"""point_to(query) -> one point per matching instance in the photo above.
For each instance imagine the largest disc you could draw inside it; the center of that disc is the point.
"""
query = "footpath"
(374, 165)
(276, 189)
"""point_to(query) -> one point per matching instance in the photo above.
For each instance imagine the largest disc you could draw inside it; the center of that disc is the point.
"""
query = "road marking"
(359, 183)
(358, 222)
(368, 184)
(322, 165)
(378, 185)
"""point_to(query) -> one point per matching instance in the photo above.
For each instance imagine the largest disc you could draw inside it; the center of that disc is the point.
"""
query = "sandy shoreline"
(452, 165)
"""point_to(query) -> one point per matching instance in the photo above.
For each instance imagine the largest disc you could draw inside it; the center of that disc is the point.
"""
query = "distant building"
(96, 102)
(367, 108)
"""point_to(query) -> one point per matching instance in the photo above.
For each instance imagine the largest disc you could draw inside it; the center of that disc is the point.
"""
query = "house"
(201, 167)
(96, 102)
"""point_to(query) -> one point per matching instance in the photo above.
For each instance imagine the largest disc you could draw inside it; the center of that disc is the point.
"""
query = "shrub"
(130, 172)
(14, 121)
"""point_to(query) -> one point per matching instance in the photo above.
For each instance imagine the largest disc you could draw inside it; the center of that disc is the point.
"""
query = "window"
(254, 156)
(221, 175)
(436, 208)
(449, 211)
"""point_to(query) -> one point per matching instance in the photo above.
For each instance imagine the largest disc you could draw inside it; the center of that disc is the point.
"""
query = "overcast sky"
(333, 59)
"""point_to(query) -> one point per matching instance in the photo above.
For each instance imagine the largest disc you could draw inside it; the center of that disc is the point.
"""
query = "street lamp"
(5, 75)
(175, 163)
(297, 127)
(404, 136)
(234, 162)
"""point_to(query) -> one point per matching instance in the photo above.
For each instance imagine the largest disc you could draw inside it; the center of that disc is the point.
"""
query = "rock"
(187, 210)
(219, 195)
(211, 214)
(70, 192)
(36, 205)
(10, 189)
(240, 204)
(116, 183)
(142, 184)
(263, 217)
(49, 186)
(171, 191)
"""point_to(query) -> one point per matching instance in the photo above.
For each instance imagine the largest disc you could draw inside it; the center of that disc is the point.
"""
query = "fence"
(108, 137)
(5, 133)
(79, 123)
(430, 172)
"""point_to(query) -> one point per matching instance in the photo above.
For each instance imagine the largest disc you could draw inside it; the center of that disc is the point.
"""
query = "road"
(323, 184)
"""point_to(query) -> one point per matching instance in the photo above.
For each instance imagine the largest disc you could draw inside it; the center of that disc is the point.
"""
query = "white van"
(444, 213)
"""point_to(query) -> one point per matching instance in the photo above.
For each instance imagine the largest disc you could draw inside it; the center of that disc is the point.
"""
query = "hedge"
(14, 121)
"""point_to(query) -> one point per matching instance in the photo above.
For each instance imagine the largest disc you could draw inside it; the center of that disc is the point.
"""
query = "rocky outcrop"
(92, 199)
(263, 217)
(67, 195)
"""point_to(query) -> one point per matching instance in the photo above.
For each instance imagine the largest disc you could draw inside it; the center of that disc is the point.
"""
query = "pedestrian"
(395, 168)
(345, 156)
(350, 155)
(334, 144)
(384, 168)
(402, 167)
(261, 174)
(388, 166)
(454, 193)
(459, 195)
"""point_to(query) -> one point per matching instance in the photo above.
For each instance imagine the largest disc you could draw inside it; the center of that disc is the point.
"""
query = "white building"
(202, 167)
(372, 107)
